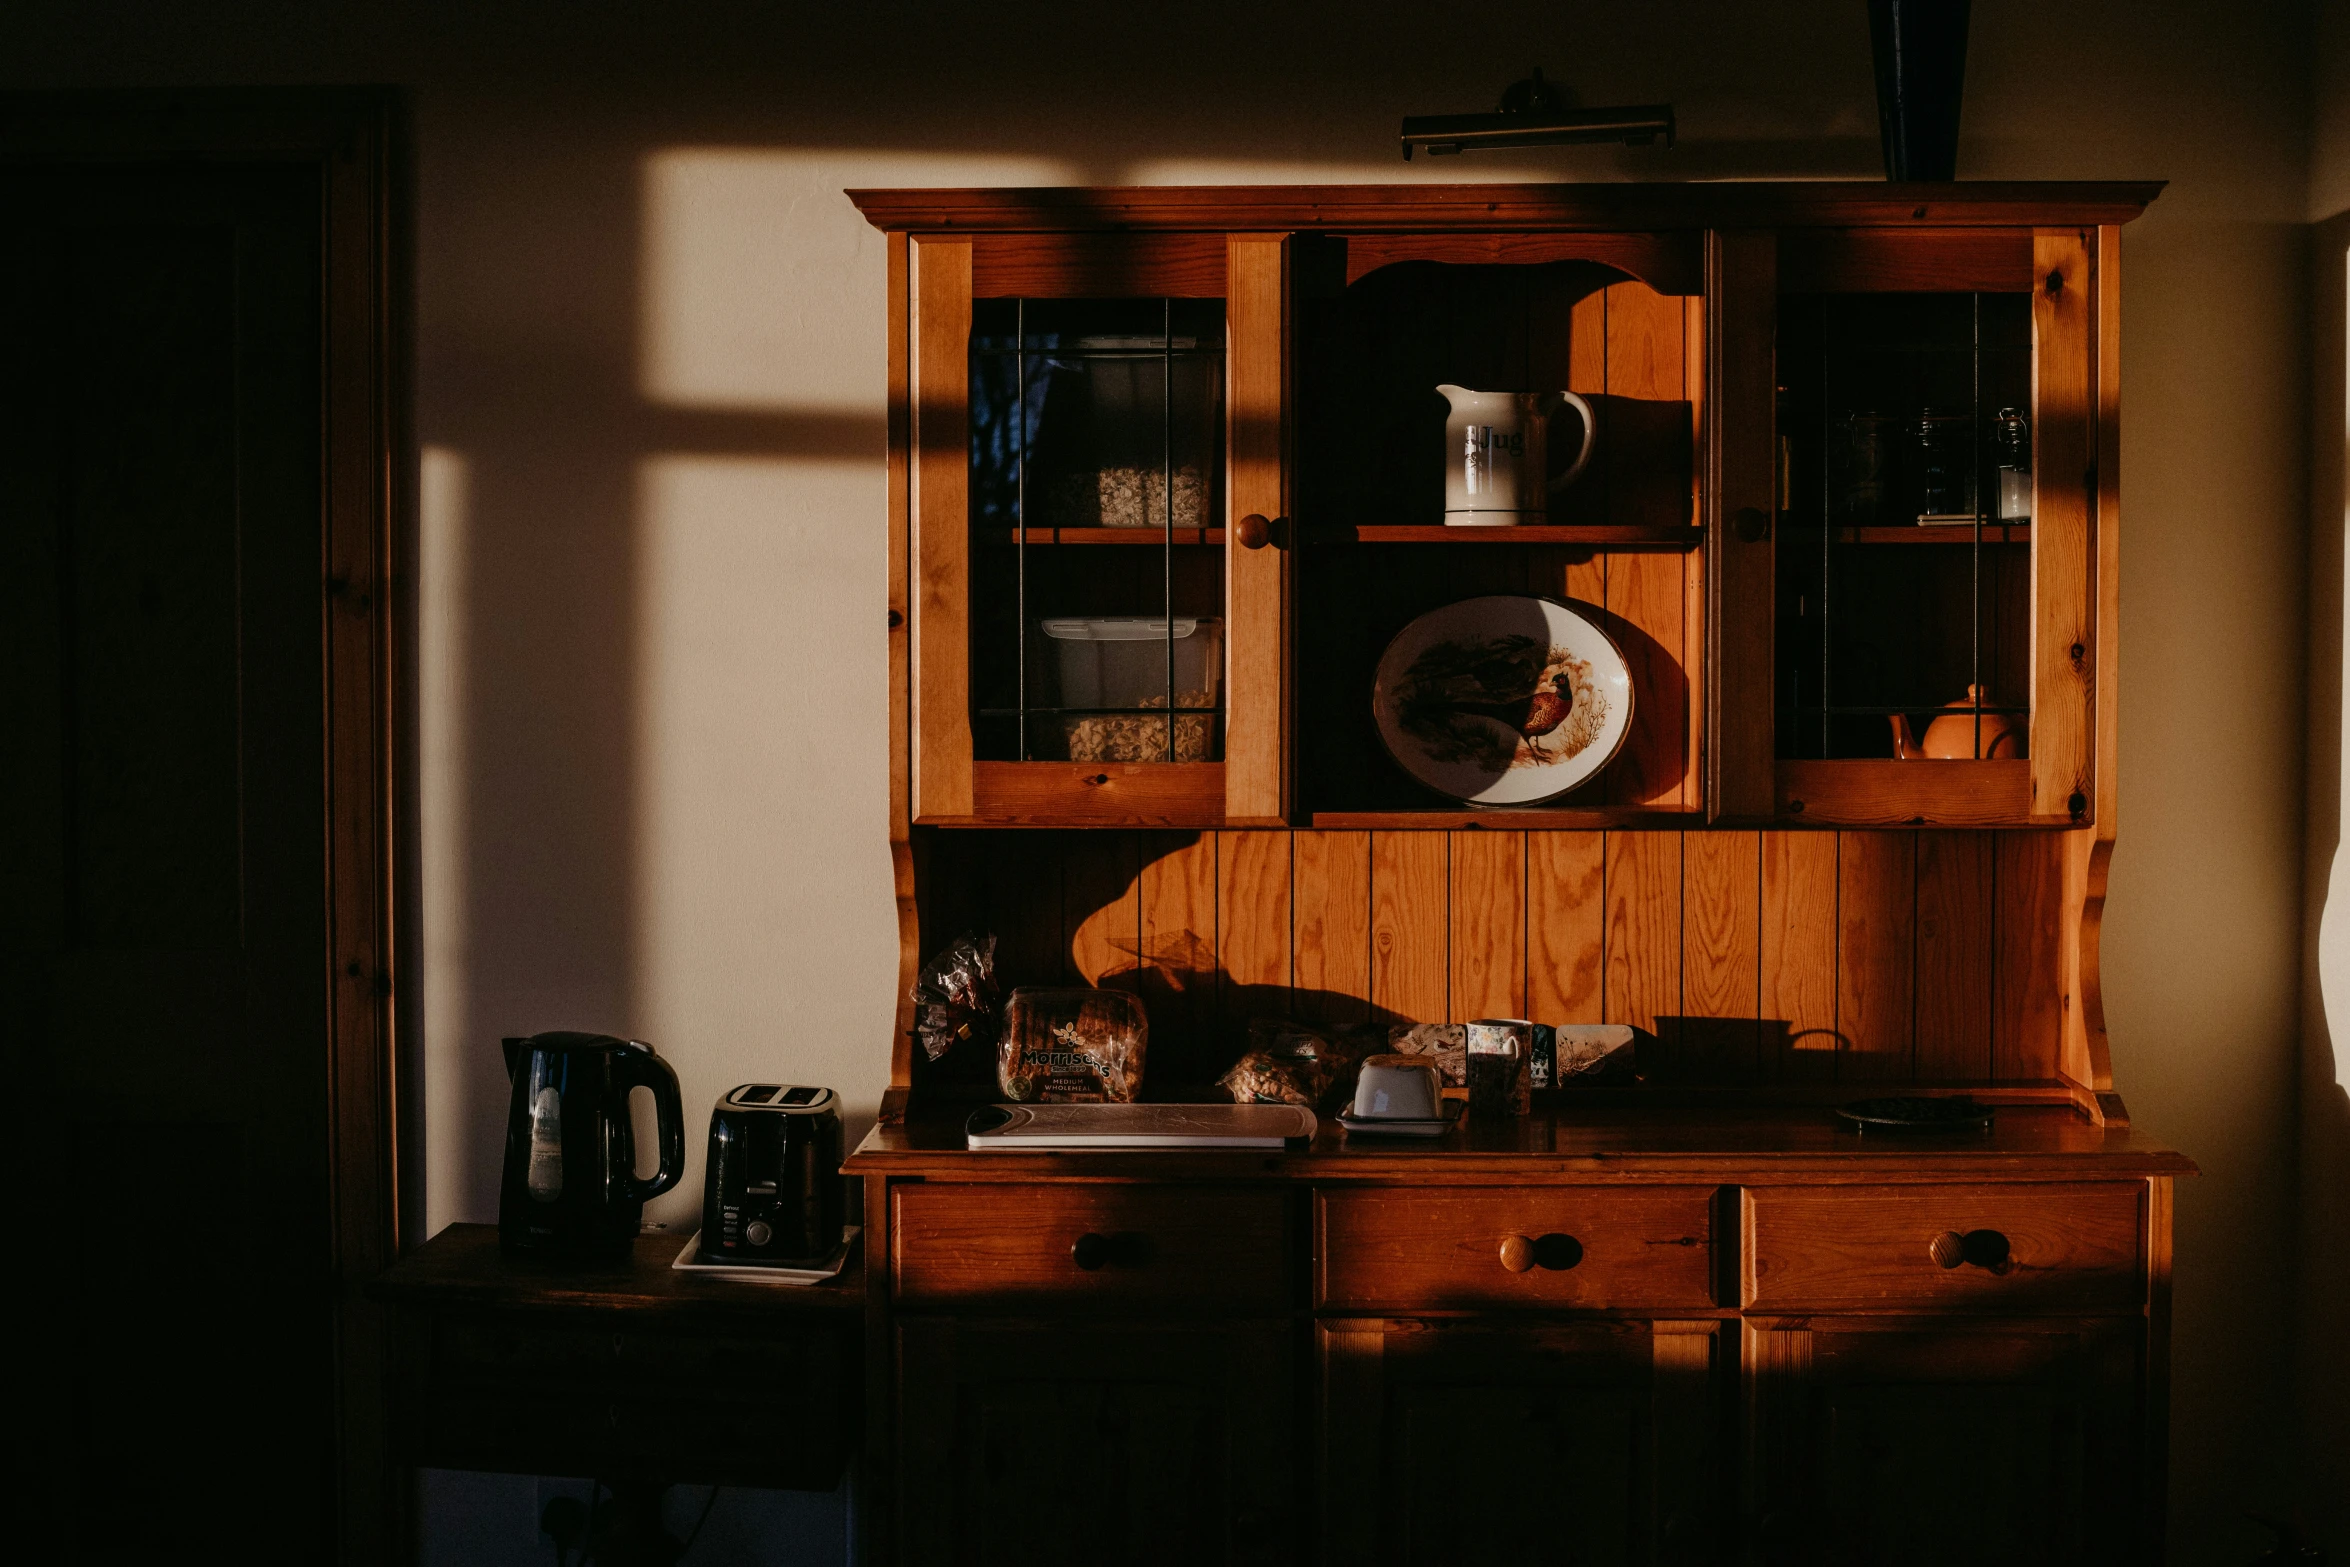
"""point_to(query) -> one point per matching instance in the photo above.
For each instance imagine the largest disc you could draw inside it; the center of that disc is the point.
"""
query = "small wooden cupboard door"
(1933, 1442)
(1082, 1441)
(1524, 1440)
(1087, 420)
(1906, 619)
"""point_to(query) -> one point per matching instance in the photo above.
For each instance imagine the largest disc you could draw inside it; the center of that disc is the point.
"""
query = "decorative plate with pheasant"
(1503, 700)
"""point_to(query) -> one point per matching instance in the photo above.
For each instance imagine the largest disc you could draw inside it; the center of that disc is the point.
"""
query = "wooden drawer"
(1468, 1248)
(1898, 1248)
(1157, 1246)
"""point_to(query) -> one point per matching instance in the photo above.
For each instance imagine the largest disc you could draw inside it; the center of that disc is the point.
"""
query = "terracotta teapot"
(1951, 738)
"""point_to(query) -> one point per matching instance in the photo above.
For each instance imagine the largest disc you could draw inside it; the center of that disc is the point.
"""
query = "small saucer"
(1395, 1126)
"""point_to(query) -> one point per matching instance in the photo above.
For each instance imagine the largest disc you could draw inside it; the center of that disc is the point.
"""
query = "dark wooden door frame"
(355, 140)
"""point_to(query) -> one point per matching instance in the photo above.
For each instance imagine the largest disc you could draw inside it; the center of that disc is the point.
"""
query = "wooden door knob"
(1552, 1253)
(1125, 1249)
(1254, 531)
(1985, 1249)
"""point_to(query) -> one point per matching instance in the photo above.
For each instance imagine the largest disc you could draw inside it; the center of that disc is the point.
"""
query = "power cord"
(696, 1533)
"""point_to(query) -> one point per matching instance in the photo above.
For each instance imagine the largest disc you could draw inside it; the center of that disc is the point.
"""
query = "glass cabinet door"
(1096, 594)
(1077, 634)
(1931, 578)
(1904, 559)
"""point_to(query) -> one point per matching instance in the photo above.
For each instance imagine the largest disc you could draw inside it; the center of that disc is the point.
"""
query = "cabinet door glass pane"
(1904, 556)
(1097, 584)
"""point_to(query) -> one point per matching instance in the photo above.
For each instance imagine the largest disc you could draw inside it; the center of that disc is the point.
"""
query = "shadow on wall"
(2323, 1349)
(650, 395)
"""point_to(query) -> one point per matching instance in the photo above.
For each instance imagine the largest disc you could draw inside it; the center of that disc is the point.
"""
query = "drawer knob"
(1985, 1249)
(1554, 1253)
(1254, 531)
(1123, 1250)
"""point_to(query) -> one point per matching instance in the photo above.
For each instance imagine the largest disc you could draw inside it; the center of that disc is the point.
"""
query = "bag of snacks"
(955, 996)
(1069, 1046)
(1289, 1063)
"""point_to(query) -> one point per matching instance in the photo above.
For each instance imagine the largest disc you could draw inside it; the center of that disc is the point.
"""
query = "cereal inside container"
(1124, 667)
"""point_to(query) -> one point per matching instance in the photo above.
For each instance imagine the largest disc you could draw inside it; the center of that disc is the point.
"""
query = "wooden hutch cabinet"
(1165, 476)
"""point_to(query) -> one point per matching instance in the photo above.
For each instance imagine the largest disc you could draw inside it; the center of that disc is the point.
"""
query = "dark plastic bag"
(956, 998)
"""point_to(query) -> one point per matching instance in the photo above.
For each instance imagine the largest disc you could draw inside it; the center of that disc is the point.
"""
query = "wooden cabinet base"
(1944, 1441)
(1469, 1440)
(1077, 1441)
(1608, 1337)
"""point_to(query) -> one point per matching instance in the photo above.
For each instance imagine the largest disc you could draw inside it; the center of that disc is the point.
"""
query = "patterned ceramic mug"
(1501, 1055)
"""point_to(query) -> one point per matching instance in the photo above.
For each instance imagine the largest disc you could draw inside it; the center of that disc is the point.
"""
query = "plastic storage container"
(1121, 662)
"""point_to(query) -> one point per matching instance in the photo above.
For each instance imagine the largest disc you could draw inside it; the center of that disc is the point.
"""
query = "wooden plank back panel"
(939, 320)
(1643, 960)
(1330, 963)
(1487, 937)
(1771, 956)
(1798, 955)
(1646, 614)
(1176, 886)
(2027, 981)
(1253, 930)
(1101, 907)
(1954, 955)
(1876, 955)
(1586, 500)
(1410, 948)
(1566, 915)
(1721, 955)
(1644, 421)
(1022, 903)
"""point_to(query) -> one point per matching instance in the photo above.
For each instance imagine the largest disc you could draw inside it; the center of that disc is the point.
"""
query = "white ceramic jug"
(1497, 447)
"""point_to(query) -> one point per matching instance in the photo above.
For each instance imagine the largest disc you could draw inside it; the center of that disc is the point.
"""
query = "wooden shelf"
(1615, 536)
(1597, 535)
(1993, 533)
(1535, 818)
(1148, 537)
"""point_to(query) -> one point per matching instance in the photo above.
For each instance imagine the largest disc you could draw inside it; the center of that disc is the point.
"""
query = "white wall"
(650, 343)
(2322, 1252)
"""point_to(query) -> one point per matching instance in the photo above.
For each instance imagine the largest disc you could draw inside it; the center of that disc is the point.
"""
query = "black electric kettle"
(571, 1188)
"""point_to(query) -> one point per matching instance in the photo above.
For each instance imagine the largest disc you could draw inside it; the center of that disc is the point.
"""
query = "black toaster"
(773, 1191)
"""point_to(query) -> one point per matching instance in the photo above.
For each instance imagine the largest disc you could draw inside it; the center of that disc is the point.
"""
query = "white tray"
(1139, 1126)
(757, 1273)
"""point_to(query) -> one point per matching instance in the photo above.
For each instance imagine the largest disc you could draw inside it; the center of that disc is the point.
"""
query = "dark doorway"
(171, 733)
